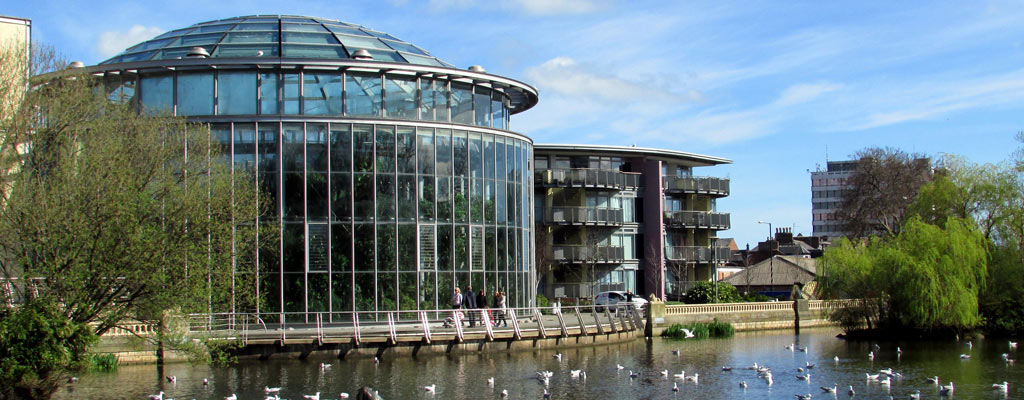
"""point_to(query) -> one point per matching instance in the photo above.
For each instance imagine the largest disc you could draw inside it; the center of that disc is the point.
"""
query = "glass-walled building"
(393, 176)
(626, 218)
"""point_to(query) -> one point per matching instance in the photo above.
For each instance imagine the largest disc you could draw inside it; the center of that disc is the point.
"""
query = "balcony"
(697, 254)
(695, 184)
(597, 254)
(587, 178)
(598, 216)
(697, 219)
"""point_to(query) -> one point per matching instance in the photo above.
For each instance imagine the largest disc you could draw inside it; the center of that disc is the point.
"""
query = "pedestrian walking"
(500, 296)
(481, 301)
(469, 302)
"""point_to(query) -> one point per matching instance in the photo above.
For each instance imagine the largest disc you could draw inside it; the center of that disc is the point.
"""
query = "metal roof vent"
(477, 68)
(76, 64)
(362, 54)
(198, 52)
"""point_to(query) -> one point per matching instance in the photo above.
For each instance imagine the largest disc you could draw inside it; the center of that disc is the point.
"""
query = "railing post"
(426, 326)
(561, 321)
(486, 320)
(540, 323)
(458, 326)
(356, 335)
(583, 325)
(392, 334)
(515, 324)
(611, 320)
(319, 329)
(597, 320)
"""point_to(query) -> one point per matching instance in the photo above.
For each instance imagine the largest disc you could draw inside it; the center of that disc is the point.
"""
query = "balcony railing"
(587, 178)
(697, 254)
(600, 254)
(697, 219)
(696, 184)
(581, 216)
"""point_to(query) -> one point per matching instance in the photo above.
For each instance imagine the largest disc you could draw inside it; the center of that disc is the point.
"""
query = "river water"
(465, 376)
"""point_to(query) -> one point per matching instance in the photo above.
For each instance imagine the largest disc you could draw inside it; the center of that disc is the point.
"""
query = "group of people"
(473, 303)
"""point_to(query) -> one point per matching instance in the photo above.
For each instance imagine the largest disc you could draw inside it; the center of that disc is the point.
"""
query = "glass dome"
(278, 36)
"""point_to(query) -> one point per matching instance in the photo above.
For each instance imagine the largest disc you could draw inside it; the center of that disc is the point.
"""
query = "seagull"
(790, 347)
(490, 381)
(808, 365)
(946, 390)
(206, 381)
(343, 395)
(73, 379)
(680, 375)
(851, 392)
(1013, 345)
(970, 345)
(619, 367)
(916, 395)
(726, 369)
(324, 366)
(267, 389)
(871, 377)
(1005, 355)
(965, 356)
(803, 349)
(830, 389)
(689, 333)
(675, 387)
(676, 352)
(504, 393)
(803, 396)
(871, 355)
(800, 370)
(558, 356)
(804, 377)
(632, 375)
(887, 371)
(158, 396)
(312, 396)
(376, 360)
(934, 379)
(1003, 387)
(877, 347)
(546, 394)
(693, 378)
(430, 388)
(899, 352)
(172, 379)
(545, 374)
(768, 379)
(231, 397)
(836, 359)
(664, 373)
(885, 382)
(743, 384)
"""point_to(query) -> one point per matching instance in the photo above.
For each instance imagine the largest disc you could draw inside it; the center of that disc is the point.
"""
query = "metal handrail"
(696, 184)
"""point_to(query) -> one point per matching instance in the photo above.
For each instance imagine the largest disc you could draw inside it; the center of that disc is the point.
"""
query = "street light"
(771, 257)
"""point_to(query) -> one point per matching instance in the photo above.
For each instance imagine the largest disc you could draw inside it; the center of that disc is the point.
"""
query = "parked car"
(615, 297)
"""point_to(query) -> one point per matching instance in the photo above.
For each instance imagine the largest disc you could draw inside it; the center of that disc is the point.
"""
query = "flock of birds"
(883, 378)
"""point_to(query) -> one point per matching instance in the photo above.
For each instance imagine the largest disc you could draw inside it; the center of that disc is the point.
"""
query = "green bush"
(38, 345)
(704, 292)
(102, 362)
(542, 301)
(224, 352)
(700, 330)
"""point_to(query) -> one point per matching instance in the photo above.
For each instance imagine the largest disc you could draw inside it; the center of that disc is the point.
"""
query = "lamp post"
(771, 257)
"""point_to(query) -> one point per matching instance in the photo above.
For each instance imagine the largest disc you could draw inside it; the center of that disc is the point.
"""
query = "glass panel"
(341, 197)
(476, 203)
(236, 93)
(270, 291)
(316, 196)
(489, 201)
(341, 248)
(461, 199)
(385, 197)
(406, 150)
(363, 195)
(462, 103)
(426, 198)
(406, 197)
(386, 250)
(386, 55)
(197, 40)
(294, 153)
(321, 93)
(387, 291)
(121, 91)
(251, 37)
(488, 156)
(195, 94)
(425, 151)
(427, 248)
(407, 247)
(407, 292)
(461, 248)
(157, 93)
(294, 248)
(362, 146)
(475, 155)
(345, 29)
(341, 148)
(313, 51)
(256, 27)
(404, 47)
(316, 147)
(294, 295)
(460, 151)
(268, 167)
(341, 295)
(244, 156)
(363, 94)
(497, 110)
(444, 152)
(476, 244)
(482, 106)
(306, 37)
(250, 50)
(401, 97)
(220, 138)
(215, 28)
(294, 204)
(385, 149)
(316, 253)
(421, 60)
(291, 93)
(317, 293)
(361, 42)
(365, 290)
(444, 248)
(444, 199)
(364, 248)
(268, 93)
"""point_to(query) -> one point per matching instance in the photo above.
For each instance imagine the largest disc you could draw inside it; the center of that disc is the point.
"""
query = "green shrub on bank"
(700, 330)
(542, 301)
(704, 292)
(224, 352)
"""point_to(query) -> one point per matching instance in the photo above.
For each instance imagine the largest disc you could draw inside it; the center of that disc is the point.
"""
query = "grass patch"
(102, 362)
(700, 330)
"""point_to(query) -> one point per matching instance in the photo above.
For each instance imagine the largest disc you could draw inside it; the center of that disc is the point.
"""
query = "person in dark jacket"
(481, 301)
(469, 303)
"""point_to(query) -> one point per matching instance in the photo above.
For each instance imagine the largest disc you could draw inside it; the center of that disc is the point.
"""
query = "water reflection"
(465, 376)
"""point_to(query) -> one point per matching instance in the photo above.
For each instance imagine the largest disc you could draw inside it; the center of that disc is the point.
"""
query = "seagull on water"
(172, 379)
(832, 389)
(803, 349)
(675, 387)
(1013, 345)
(1002, 387)
(885, 382)
(916, 395)
(693, 378)
(871, 377)
(312, 396)
(558, 356)
(899, 352)
(946, 390)
(934, 379)
(664, 373)
(689, 333)
(836, 359)
(490, 381)
(790, 347)
(803, 396)
(804, 377)
(970, 345)
(965, 356)
(343, 395)
(743, 384)
(325, 366)
(504, 393)
(887, 371)
(267, 389)
(808, 365)
(871, 355)
(431, 388)
(546, 394)
(158, 396)
(851, 392)
(676, 352)
(73, 379)
(619, 367)
(726, 369)
(633, 375)
(680, 375)
(232, 397)
(206, 381)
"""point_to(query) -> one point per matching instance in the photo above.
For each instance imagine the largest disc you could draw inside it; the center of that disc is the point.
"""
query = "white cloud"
(111, 43)
(531, 7)
(564, 76)
(802, 93)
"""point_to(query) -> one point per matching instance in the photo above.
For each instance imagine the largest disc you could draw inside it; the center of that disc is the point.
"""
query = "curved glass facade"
(390, 183)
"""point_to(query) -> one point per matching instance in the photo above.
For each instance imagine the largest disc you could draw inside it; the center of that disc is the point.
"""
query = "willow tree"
(112, 215)
(928, 277)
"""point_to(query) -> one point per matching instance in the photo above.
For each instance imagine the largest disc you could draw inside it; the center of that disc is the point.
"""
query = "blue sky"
(774, 86)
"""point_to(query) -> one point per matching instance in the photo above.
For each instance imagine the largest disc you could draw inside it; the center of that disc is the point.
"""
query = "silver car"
(613, 298)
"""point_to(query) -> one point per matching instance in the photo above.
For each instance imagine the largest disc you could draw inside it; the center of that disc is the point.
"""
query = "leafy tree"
(108, 219)
(884, 183)
(37, 345)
